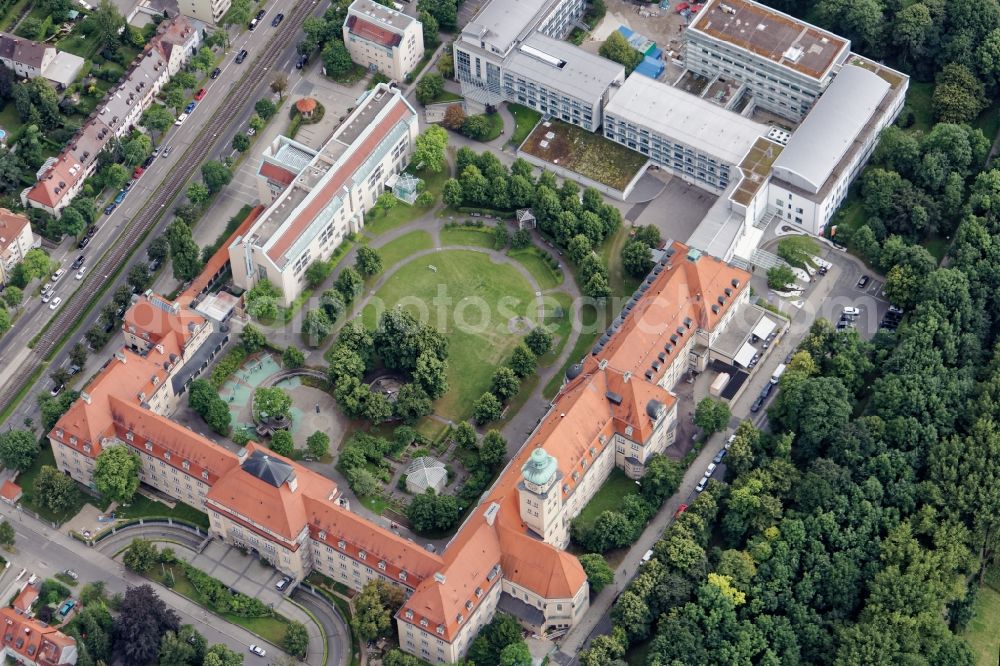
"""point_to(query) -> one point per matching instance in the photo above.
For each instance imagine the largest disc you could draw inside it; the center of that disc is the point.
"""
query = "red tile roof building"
(32, 643)
(615, 410)
(382, 39)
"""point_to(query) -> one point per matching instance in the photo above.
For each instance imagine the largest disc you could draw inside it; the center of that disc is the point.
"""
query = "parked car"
(69, 572)
(120, 197)
(251, 131)
(166, 151)
(110, 208)
(56, 302)
(91, 230)
(257, 650)
(84, 242)
(766, 391)
(73, 370)
(681, 509)
(851, 310)
(730, 440)
(78, 262)
(863, 282)
(260, 14)
(138, 172)
(128, 185)
(216, 72)
(241, 56)
(79, 273)
(895, 309)
(757, 404)
(301, 62)
(701, 484)
(149, 160)
(190, 107)
(57, 389)
(198, 96)
(719, 456)
(180, 119)
(58, 275)
(648, 555)
(276, 21)
(710, 470)
(283, 583)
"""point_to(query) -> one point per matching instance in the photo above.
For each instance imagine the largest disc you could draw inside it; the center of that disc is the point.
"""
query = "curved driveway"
(332, 627)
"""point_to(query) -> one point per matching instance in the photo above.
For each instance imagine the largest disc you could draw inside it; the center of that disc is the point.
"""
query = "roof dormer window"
(322, 535)
(381, 565)
(149, 446)
(342, 544)
(408, 614)
(129, 436)
(402, 575)
(423, 622)
(440, 629)
(362, 555)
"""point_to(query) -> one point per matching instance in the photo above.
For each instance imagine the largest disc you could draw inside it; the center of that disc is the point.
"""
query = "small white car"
(56, 302)
(851, 310)
(79, 273)
(730, 440)
(710, 470)
(58, 275)
(257, 650)
(701, 484)
(180, 119)
(648, 556)
(46, 296)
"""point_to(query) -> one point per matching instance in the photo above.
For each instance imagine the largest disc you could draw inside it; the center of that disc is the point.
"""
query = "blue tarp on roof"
(651, 67)
(657, 54)
(626, 32)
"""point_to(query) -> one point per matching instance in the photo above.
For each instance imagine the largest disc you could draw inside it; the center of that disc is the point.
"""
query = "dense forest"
(859, 529)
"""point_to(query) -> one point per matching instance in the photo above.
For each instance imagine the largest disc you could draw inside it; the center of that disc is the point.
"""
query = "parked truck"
(780, 370)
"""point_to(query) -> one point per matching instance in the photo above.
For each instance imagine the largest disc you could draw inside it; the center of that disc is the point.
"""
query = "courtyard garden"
(586, 153)
(487, 312)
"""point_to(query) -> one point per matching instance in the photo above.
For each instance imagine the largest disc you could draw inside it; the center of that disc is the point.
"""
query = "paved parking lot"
(676, 212)
(840, 289)
(244, 573)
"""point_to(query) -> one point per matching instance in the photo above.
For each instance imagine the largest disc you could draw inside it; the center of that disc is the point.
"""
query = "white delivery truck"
(780, 370)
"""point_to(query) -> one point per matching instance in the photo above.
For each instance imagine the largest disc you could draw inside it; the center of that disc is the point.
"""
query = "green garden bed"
(271, 629)
(144, 507)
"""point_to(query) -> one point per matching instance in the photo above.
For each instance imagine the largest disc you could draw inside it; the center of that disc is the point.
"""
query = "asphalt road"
(13, 346)
(45, 552)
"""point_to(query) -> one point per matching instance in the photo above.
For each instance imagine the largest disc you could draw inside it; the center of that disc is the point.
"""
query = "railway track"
(115, 258)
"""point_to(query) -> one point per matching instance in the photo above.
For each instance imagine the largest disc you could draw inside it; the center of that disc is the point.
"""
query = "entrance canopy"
(745, 355)
(763, 328)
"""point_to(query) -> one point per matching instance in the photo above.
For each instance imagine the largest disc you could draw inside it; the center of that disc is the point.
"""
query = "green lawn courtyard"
(476, 236)
(397, 250)
(609, 497)
(531, 258)
(478, 303)
(526, 120)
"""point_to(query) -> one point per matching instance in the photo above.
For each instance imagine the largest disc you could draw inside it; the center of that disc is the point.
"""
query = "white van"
(780, 370)
(180, 119)
(648, 556)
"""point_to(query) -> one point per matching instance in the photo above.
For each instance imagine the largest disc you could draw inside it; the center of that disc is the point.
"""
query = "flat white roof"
(681, 116)
(831, 128)
(745, 355)
(500, 22)
(763, 328)
(561, 66)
